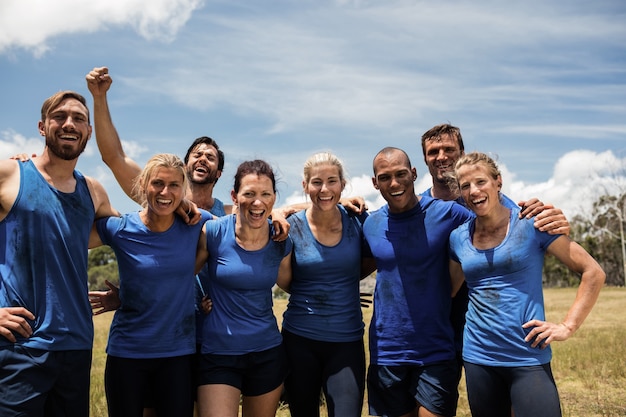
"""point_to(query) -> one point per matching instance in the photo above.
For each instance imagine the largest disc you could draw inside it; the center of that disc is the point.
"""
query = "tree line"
(601, 233)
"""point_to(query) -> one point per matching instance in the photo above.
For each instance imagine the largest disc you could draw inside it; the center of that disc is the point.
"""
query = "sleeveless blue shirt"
(43, 261)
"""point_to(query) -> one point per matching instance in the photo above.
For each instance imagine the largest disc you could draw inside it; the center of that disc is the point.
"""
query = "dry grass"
(590, 368)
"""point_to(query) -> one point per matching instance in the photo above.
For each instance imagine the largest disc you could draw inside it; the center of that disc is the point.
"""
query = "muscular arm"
(572, 255)
(9, 185)
(124, 168)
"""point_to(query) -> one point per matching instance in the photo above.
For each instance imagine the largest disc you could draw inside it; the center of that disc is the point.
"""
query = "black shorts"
(253, 373)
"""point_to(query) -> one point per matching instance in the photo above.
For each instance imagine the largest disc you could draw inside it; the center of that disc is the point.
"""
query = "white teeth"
(161, 201)
(478, 201)
(397, 193)
(256, 212)
(326, 198)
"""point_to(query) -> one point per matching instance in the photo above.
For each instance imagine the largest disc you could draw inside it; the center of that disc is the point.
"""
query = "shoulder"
(100, 198)
(8, 167)
(9, 185)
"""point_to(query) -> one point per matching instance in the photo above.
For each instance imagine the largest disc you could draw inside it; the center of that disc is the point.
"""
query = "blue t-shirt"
(43, 262)
(505, 290)
(411, 319)
(240, 284)
(157, 315)
(324, 303)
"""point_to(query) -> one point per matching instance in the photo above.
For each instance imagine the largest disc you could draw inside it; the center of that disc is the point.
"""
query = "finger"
(7, 334)
(22, 312)
(112, 286)
(96, 313)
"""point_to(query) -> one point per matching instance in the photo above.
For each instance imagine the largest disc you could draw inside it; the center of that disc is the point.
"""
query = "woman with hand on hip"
(506, 345)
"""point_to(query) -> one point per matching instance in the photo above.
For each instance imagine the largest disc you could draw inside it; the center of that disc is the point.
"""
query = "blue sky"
(540, 85)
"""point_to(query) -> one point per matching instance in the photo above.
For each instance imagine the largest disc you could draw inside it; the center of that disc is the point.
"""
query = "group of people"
(165, 348)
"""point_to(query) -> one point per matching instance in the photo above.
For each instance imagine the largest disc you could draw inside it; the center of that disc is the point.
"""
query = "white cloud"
(30, 24)
(578, 180)
(13, 143)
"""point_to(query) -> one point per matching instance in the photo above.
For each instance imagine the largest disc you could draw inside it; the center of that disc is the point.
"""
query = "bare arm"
(572, 255)
(456, 276)
(109, 143)
(100, 198)
(284, 274)
(202, 252)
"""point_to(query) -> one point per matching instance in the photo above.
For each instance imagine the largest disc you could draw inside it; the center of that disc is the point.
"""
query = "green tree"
(608, 221)
(101, 266)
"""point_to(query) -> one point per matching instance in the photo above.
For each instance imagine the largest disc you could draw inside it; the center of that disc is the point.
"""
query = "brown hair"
(56, 99)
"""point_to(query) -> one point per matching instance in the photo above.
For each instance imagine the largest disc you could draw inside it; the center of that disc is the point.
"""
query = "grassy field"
(590, 368)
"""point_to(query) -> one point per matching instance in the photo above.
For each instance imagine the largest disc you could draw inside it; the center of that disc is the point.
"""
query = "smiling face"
(479, 188)
(394, 178)
(324, 186)
(66, 129)
(440, 154)
(164, 190)
(203, 163)
(255, 200)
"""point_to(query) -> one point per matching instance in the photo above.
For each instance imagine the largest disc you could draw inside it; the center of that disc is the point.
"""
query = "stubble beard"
(67, 153)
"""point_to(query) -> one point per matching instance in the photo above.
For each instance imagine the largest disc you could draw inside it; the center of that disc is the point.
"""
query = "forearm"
(109, 144)
(588, 292)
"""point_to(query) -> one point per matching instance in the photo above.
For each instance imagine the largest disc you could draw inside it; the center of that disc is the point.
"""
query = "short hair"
(208, 141)
(323, 158)
(257, 167)
(388, 150)
(162, 160)
(443, 129)
(56, 99)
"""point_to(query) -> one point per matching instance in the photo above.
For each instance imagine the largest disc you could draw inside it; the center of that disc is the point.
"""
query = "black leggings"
(169, 379)
(529, 390)
(337, 368)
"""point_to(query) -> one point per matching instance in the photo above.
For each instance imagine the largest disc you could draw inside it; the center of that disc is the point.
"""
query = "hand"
(366, 299)
(23, 157)
(553, 221)
(189, 212)
(206, 305)
(281, 227)
(355, 204)
(544, 333)
(98, 81)
(13, 319)
(530, 208)
(105, 300)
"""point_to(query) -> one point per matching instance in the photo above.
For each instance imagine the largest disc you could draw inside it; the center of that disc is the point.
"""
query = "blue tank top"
(43, 261)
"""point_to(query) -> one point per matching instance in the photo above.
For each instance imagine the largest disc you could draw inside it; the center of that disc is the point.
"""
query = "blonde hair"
(474, 158)
(323, 158)
(162, 160)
